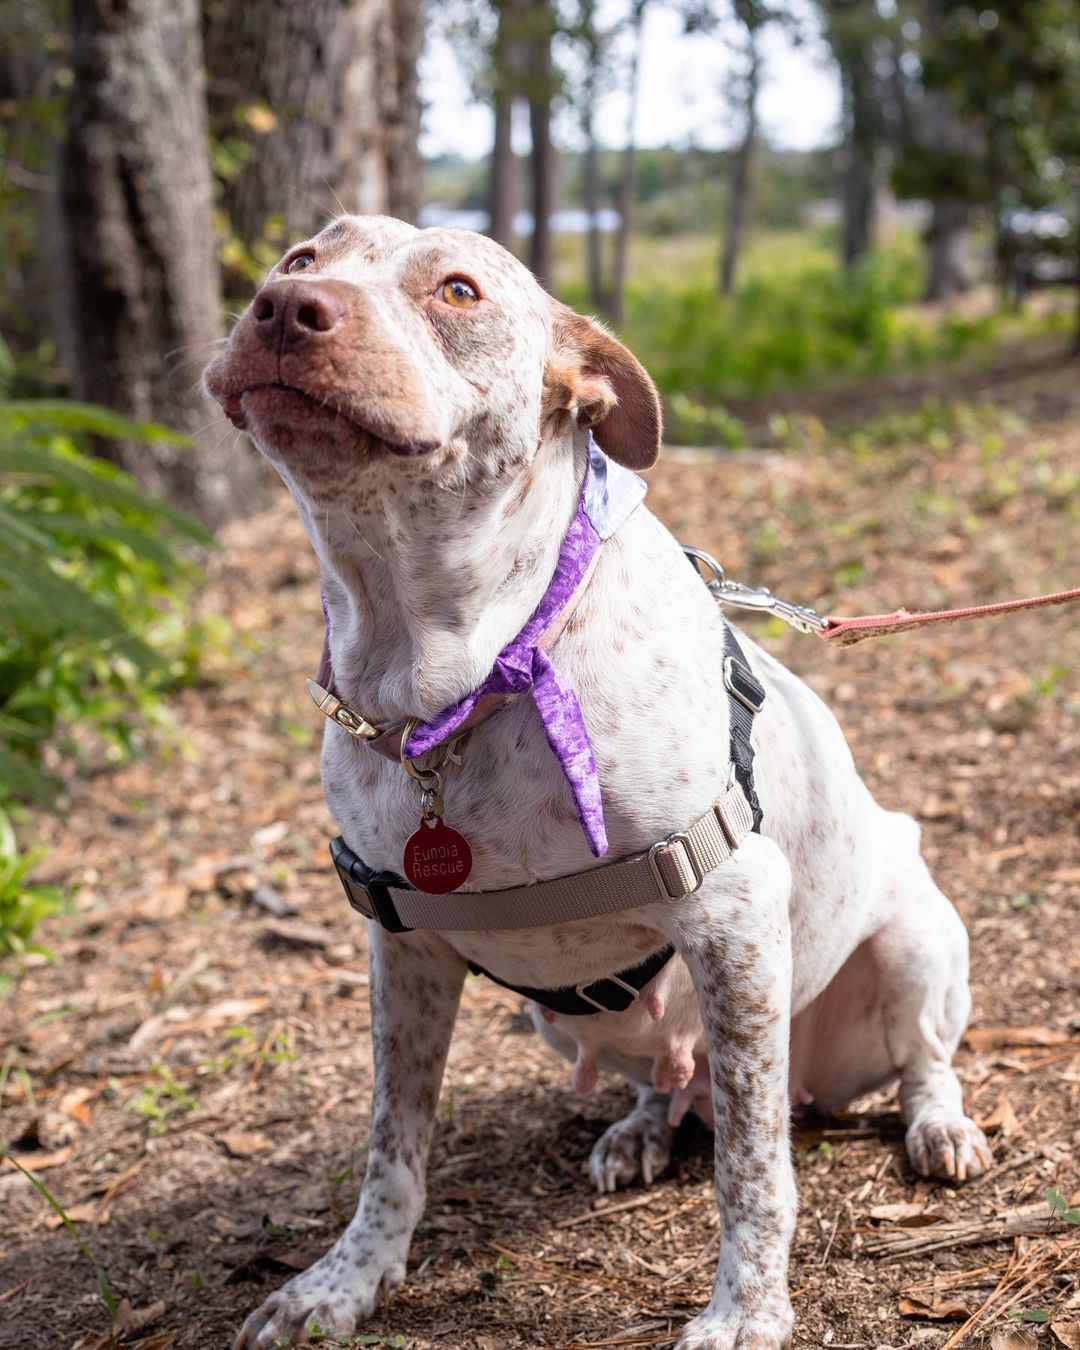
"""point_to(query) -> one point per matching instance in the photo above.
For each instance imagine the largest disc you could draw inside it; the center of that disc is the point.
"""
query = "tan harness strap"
(670, 870)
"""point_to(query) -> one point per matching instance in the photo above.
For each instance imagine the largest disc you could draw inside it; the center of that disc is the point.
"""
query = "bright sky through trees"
(683, 80)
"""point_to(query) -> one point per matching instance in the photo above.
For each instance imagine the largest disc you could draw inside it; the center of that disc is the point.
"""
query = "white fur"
(819, 962)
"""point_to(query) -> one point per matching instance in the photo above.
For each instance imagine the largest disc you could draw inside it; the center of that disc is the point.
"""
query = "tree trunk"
(852, 28)
(320, 103)
(594, 259)
(541, 80)
(943, 133)
(501, 193)
(948, 273)
(136, 193)
(738, 206)
(858, 165)
(628, 178)
(502, 197)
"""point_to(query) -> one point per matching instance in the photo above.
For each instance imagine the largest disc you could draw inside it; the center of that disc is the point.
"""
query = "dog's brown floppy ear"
(609, 388)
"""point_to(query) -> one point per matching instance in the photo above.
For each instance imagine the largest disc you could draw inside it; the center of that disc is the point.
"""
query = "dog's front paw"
(953, 1148)
(332, 1296)
(640, 1145)
(758, 1331)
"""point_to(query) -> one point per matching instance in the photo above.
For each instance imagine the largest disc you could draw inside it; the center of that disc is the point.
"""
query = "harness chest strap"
(668, 871)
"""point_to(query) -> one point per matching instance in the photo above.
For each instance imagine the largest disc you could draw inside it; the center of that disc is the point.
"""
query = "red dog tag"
(437, 858)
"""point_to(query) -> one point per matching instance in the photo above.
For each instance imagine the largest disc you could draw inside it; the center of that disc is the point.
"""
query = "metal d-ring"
(450, 750)
(423, 776)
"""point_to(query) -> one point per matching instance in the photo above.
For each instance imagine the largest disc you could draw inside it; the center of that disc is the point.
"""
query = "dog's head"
(375, 340)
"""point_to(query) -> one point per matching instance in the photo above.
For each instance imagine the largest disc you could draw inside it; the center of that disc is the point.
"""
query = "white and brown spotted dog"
(424, 400)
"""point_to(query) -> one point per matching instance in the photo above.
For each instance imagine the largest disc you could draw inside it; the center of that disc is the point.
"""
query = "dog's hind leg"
(416, 982)
(897, 1009)
(637, 1145)
(923, 953)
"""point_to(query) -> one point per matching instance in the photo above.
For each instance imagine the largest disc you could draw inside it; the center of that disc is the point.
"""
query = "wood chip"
(246, 1143)
(1013, 1338)
(270, 899)
(297, 932)
(1001, 1119)
(934, 1309)
(1002, 1038)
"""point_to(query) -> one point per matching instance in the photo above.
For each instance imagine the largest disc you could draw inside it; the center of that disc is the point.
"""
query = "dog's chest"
(643, 652)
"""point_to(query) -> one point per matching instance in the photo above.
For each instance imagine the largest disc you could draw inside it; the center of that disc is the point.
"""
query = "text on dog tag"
(437, 858)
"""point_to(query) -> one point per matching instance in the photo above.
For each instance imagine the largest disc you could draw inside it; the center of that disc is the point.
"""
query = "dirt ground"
(191, 1080)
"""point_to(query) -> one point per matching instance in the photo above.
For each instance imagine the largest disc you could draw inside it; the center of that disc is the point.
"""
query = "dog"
(432, 410)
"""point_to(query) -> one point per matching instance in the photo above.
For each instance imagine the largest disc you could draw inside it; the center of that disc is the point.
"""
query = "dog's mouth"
(289, 418)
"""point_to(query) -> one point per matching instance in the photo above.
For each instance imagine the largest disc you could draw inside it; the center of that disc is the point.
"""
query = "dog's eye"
(459, 293)
(301, 261)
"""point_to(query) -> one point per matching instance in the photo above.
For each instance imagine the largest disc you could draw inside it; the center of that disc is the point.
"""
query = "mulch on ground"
(191, 1078)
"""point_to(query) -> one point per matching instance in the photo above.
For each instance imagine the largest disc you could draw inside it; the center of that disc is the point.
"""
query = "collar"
(609, 496)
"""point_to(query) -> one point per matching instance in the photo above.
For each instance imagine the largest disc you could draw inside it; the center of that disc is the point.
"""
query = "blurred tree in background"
(308, 102)
(156, 157)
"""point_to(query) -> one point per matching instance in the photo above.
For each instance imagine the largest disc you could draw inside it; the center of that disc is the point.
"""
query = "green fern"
(91, 582)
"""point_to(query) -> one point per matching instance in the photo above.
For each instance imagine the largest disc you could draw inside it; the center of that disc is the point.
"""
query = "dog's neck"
(425, 585)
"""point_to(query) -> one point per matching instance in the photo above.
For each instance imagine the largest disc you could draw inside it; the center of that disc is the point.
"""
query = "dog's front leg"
(735, 937)
(416, 982)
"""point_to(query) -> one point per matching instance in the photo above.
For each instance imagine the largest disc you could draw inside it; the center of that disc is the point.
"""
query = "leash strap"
(839, 632)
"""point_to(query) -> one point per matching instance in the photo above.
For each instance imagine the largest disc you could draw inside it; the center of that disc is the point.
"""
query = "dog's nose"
(287, 314)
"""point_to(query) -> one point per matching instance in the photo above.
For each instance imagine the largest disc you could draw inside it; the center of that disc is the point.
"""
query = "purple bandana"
(609, 495)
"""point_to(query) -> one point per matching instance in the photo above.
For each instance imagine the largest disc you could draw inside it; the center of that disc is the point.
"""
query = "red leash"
(846, 632)
(841, 632)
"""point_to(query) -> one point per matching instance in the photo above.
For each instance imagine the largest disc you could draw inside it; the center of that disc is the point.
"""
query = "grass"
(796, 320)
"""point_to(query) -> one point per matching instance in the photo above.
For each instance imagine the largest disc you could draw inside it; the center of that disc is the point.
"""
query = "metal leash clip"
(758, 598)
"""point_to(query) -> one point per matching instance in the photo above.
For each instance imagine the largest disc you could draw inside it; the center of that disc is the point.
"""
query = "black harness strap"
(746, 697)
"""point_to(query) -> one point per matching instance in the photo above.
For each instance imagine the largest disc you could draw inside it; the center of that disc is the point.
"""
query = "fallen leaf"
(40, 1162)
(246, 1143)
(74, 1103)
(1013, 1338)
(166, 902)
(129, 1319)
(935, 1310)
(260, 119)
(126, 1321)
(1001, 1038)
(892, 1213)
(1001, 1120)
(1067, 1333)
(84, 1213)
(183, 1018)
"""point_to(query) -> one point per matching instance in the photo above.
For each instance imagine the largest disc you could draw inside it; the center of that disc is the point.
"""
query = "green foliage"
(1061, 1207)
(92, 627)
(107, 1295)
(163, 1099)
(23, 904)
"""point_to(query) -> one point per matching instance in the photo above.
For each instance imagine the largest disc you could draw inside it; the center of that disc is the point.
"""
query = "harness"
(673, 867)
(670, 870)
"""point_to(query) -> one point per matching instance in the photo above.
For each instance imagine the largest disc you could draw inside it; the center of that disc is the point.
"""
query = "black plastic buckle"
(741, 683)
(367, 890)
